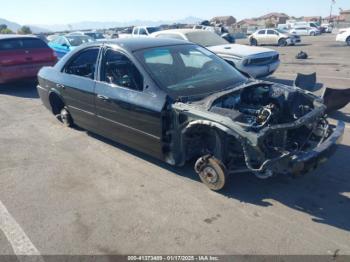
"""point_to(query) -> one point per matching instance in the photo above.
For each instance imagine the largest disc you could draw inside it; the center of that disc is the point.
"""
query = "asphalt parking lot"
(66, 191)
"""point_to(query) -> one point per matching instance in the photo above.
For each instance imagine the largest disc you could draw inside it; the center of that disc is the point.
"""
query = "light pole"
(331, 11)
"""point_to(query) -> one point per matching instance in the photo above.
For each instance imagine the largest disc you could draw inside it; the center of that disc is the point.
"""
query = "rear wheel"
(348, 41)
(66, 117)
(282, 42)
(253, 42)
(212, 172)
(312, 33)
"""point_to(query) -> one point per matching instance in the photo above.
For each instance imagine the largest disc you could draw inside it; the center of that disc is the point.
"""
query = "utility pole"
(331, 11)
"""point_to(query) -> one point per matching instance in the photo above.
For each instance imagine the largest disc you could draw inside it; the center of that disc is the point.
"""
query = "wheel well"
(56, 103)
(202, 140)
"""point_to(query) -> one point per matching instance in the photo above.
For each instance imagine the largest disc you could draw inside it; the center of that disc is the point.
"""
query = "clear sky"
(70, 11)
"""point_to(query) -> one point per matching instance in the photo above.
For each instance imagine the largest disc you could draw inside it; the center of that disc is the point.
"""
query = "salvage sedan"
(178, 102)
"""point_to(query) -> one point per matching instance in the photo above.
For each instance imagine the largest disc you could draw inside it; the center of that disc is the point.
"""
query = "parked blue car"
(64, 44)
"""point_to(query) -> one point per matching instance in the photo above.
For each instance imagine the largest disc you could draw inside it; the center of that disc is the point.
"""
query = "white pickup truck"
(144, 31)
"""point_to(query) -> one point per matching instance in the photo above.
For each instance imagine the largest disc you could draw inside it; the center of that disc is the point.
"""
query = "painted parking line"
(20, 242)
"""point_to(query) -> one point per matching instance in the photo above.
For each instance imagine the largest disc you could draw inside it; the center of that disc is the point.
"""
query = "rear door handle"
(60, 86)
(102, 97)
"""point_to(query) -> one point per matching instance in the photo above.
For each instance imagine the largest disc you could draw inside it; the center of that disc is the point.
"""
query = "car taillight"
(54, 56)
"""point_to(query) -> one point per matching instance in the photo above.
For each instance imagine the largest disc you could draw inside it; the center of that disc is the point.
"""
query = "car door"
(128, 112)
(303, 31)
(261, 37)
(77, 83)
(271, 37)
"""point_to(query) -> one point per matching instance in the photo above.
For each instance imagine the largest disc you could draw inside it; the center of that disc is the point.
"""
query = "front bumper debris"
(307, 161)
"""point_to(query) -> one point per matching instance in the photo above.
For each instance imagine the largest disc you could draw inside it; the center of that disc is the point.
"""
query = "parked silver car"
(273, 37)
(254, 61)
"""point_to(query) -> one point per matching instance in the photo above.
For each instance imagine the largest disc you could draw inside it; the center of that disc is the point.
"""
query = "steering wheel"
(211, 66)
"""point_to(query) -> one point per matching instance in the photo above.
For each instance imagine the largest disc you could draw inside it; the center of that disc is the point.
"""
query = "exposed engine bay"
(262, 128)
(256, 107)
(276, 110)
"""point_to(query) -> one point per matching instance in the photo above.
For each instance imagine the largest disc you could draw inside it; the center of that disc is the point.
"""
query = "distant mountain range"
(85, 25)
(14, 26)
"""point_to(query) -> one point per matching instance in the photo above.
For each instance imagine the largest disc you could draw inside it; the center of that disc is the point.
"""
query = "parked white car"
(144, 31)
(311, 31)
(254, 61)
(344, 36)
(327, 28)
(273, 37)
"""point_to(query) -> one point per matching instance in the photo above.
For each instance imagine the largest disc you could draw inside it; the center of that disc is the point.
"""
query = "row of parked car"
(23, 56)
(253, 61)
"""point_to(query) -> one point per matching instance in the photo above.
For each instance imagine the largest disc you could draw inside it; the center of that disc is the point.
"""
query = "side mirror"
(65, 45)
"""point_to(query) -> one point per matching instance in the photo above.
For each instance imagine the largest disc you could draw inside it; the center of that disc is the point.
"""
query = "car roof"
(13, 36)
(134, 44)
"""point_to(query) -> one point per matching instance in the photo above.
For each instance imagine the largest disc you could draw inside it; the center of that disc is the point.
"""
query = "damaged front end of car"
(261, 127)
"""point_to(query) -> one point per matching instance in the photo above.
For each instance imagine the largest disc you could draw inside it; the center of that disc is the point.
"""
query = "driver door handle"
(102, 97)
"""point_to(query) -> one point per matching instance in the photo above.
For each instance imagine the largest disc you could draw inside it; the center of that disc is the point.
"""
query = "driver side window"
(142, 31)
(120, 71)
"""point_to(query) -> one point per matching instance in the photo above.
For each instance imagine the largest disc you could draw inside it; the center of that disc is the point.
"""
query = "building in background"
(345, 15)
(272, 19)
(224, 20)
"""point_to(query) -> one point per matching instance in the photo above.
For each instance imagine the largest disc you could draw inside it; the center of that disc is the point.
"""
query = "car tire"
(66, 117)
(253, 42)
(348, 41)
(312, 34)
(282, 42)
(212, 172)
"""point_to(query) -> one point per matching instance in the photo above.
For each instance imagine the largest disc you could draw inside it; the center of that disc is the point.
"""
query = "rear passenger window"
(261, 32)
(270, 32)
(83, 64)
(33, 44)
(10, 44)
(22, 43)
(142, 31)
(135, 31)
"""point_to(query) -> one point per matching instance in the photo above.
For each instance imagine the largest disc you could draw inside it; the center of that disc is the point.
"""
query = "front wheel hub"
(212, 172)
(210, 175)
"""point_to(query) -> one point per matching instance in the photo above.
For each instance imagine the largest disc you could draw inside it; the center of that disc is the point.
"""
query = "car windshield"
(77, 40)
(153, 29)
(185, 70)
(205, 38)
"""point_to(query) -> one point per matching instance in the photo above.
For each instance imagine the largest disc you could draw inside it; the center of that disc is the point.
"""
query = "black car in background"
(178, 101)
